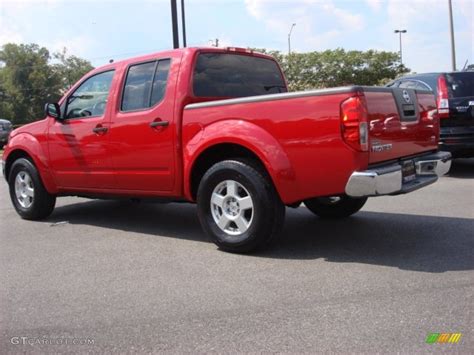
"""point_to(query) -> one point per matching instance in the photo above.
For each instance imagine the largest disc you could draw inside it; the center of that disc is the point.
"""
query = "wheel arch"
(26, 146)
(14, 156)
(227, 140)
(216, 153)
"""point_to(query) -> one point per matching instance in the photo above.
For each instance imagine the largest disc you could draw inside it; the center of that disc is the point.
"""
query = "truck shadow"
(409, 242)
(462, 168)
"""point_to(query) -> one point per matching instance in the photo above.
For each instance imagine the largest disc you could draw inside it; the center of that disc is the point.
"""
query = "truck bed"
(305, 127)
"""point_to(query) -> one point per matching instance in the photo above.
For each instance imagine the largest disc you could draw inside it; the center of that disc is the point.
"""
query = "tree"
(28, 79)
(70, 68)
(338, 67)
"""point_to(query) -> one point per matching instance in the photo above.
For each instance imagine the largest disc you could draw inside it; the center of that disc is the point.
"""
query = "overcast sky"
(99, 30)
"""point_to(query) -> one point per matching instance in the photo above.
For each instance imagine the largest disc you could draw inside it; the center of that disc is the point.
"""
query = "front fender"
(30, 145)
(250, 136)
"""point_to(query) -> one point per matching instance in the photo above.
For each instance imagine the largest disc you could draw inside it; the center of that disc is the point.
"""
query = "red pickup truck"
(218, 127)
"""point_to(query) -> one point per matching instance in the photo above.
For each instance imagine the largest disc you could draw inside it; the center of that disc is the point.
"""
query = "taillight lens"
(443, 98)
(354, 123)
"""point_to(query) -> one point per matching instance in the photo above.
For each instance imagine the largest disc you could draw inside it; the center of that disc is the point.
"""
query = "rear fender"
(250, 136)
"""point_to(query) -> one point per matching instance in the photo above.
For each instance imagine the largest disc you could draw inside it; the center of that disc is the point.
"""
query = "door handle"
(100, 130)
(155, 124)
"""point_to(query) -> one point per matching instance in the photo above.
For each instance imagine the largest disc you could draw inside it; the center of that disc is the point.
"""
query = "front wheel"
(238, 206)
(28, 195)
(335, 206)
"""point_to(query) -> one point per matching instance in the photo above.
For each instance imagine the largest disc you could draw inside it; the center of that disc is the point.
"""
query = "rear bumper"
(388, 180)
(457, 140)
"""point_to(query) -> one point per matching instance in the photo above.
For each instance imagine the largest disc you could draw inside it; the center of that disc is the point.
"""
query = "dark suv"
(454, 94)
(5, 129)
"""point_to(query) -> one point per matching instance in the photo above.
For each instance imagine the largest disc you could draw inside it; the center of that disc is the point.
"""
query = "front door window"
(90, 98)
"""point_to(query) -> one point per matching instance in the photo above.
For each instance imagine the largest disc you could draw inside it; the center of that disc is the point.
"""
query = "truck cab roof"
(185, 51)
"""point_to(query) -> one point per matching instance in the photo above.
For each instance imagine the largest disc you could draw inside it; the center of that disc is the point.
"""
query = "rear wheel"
(335, 206)
(238, 206)
(28, 195)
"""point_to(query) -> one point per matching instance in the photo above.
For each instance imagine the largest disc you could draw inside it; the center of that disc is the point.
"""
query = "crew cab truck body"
(218, 127)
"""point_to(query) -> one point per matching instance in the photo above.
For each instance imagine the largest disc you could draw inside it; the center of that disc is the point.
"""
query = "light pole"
(183, 23)
(451, 25)
(289, 38)
(400, 33)
(174, 24)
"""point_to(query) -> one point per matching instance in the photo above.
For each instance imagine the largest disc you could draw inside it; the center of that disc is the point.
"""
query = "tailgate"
(402, 122)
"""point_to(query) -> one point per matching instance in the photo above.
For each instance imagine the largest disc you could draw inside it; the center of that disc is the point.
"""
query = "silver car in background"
(5, 129)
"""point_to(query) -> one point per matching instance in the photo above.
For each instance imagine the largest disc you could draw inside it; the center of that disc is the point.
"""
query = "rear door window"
(145, 85)
(234, 75)
(408, 84)
(460, 84)
(159, 82)
(393, 84)
(422, 86)
(431, 80)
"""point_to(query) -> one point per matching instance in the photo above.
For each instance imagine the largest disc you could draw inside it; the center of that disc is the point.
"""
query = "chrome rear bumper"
(388, 180)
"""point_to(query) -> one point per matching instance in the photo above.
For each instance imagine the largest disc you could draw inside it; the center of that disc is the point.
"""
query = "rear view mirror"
(53, 110)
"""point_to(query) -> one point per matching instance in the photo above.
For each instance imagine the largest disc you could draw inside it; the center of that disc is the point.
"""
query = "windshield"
(234, 75)
(460, 84)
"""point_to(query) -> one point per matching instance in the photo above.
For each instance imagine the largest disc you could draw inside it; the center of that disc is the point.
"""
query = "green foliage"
(70, 68)
(338, 67)
(28, 79)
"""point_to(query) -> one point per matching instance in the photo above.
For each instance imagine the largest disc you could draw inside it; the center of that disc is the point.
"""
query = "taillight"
(443, 98)
(354, 123)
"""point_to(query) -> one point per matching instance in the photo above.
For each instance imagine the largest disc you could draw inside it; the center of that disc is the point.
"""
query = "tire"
(335, 207)
(239, 195)
(27, 192)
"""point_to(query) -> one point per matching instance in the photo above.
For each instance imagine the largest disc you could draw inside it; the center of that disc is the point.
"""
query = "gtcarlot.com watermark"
(51, 341)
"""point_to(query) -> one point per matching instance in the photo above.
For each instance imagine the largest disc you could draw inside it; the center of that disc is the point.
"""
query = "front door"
(78, 143)
(142, 132)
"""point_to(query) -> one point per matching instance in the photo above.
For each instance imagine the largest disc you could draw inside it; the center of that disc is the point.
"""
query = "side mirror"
(53, 110)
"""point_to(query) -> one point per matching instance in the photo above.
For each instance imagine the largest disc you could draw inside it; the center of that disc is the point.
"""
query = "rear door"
(142, 133)
(402, 122)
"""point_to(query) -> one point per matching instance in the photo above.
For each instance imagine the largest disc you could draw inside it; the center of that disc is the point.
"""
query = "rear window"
(234, 75)
(460, 84)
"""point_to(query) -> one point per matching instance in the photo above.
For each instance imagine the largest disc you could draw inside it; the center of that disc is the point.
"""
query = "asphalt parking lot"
(143, 277)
